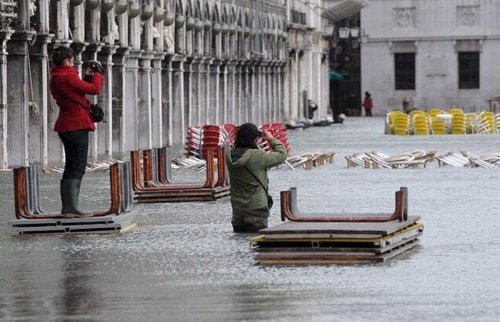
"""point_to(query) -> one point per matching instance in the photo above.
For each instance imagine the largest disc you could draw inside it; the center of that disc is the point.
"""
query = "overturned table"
(337, 238)
(31, 219)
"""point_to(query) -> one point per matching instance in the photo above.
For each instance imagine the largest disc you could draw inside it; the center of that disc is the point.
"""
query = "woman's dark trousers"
(76, 145)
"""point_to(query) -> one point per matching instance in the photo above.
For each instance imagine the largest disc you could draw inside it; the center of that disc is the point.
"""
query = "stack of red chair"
(230, 130)
(278, 130)
(199, 139)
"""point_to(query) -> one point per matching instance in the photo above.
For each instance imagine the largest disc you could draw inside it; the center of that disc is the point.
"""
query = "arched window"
(224, 34)
(207, 33)
(216, 31)
(180, 19)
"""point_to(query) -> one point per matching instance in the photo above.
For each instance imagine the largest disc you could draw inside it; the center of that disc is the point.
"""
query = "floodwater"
(183, 263)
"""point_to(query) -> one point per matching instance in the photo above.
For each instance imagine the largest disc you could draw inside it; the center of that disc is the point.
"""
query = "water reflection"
(79, 294)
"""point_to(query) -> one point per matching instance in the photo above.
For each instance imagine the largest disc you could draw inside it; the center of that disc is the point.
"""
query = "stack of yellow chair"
(455, 110)
(435, 111)
(486, 124)
(458, 121)
(390, 121)
(438, 126)
(497, 122)
(470, 123)
(401, 124)
(420, 123)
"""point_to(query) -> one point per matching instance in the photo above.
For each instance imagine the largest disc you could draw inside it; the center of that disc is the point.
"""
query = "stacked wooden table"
(333, 238)
(336, 242)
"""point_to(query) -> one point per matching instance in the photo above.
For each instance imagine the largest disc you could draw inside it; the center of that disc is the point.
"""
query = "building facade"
(170, 64)
(434, 53)
(308, 59)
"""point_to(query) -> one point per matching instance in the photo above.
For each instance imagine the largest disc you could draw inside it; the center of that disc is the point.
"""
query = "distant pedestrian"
(247, 166)
(406, 105)
(311, 108)
(74, 122)
(368, 104)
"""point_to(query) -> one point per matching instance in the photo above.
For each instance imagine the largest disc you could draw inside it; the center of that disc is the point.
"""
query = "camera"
(95, 66)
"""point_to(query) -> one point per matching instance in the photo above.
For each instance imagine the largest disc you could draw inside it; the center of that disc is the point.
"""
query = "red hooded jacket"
(69, 92)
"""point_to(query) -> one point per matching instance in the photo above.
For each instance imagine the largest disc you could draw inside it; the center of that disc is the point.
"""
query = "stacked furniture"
(31, 219)
(337, 238)
(152, 182)
(201, 138)
(278, 130)
(438, 122)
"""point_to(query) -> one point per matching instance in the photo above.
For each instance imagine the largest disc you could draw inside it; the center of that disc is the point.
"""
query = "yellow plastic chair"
(391, 121)
(401, 124)
(454, 111)
(436, 111)
(421, 124)
(486, 124)
(497, 122)
(471, 120)
(438, 126)
(415, 112)
(458, 124)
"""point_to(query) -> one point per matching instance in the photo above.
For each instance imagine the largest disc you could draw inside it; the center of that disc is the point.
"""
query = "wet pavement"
(183, 263)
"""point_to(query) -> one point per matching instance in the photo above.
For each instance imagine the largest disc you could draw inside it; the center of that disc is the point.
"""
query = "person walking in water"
(74, 122)
(247, 166)
(368, 104)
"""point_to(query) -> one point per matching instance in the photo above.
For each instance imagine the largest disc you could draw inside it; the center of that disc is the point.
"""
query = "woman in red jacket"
(368, 104)
(74, 121)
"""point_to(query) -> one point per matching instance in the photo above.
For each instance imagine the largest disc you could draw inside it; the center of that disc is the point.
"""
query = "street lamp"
(329, 30)
(344, 33)
(355, 32)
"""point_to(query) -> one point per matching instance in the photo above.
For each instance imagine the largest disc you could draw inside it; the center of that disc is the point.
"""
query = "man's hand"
(268, 135)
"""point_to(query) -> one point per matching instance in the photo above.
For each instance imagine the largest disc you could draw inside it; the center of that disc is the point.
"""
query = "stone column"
(89, 54)
(188, 90)
(268, 91)
(205, 90)
(260, 93)
(104, 137)
(17, 99)
(213, 91)
(279, 93)
(119, 93)
(38, 69)
(178, 117)
(156, 100)
(249, 90)
(194, 93)
(144, 121)
(294, 89)
(223, 83)
(238, 93)
(232, 91)
(130, 98)
(199, 92)
(284, 83)
(4, 36)
(167, 99)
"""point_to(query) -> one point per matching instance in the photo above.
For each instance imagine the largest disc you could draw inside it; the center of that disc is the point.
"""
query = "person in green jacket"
(248, 197)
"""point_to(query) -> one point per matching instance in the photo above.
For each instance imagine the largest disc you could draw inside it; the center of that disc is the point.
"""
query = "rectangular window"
(468, 70)
(405, 71)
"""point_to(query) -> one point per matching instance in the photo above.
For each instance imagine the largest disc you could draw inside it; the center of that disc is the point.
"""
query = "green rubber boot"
(70, 192)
